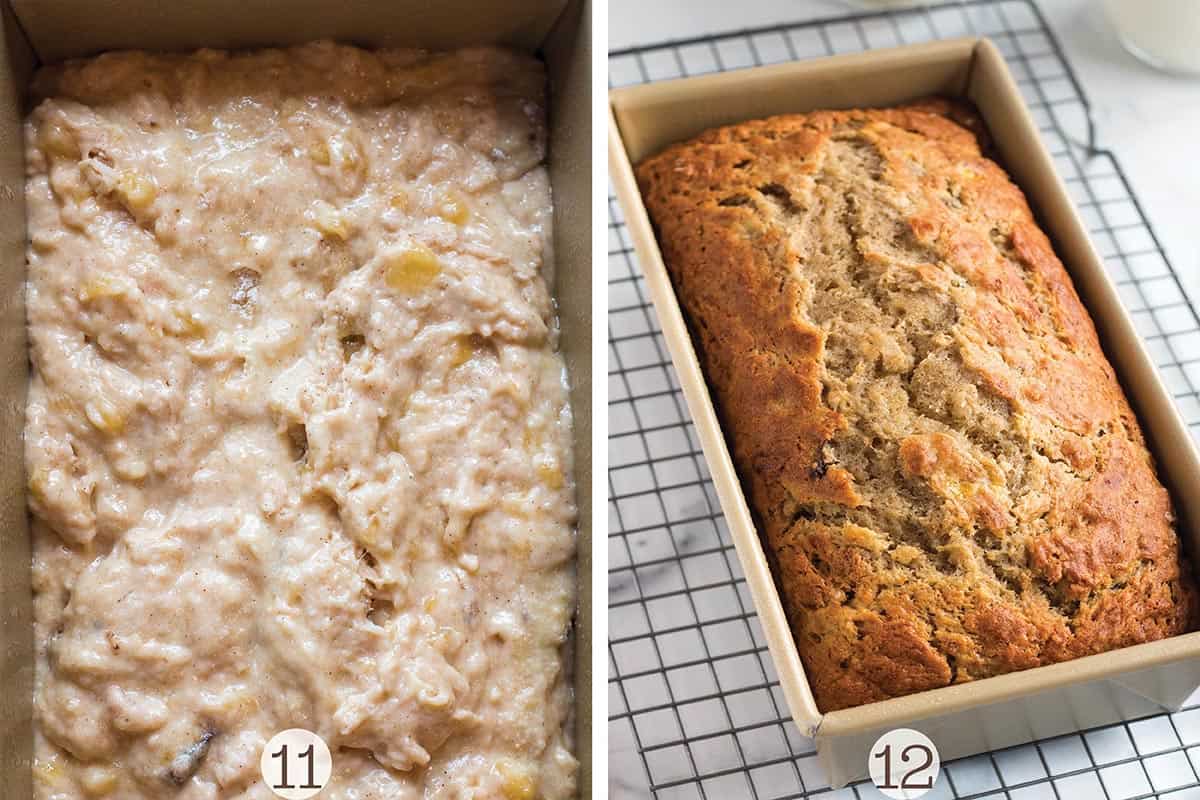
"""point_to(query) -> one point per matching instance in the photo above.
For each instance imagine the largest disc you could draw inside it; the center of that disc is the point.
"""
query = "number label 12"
(904, 764)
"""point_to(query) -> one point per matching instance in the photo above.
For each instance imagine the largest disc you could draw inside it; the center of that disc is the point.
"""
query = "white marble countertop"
(1150, 119)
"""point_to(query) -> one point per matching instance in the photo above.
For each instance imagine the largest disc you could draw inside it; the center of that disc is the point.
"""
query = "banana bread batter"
(298, 438)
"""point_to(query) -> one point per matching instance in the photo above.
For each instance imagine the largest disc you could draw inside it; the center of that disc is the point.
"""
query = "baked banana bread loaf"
(948, 477)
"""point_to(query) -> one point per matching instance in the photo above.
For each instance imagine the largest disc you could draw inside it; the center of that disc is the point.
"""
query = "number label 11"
(296, 764)
(307, 755)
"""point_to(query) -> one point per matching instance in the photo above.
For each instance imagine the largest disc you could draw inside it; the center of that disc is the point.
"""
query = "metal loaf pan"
(43, 31)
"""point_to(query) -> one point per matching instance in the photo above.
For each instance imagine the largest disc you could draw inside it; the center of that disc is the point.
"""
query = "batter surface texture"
(298, 438)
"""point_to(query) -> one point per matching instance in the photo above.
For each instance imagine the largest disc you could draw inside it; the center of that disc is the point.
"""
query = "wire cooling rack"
(695, 705)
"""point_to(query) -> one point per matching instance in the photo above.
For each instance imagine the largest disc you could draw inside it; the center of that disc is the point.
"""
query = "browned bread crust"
(946, 471)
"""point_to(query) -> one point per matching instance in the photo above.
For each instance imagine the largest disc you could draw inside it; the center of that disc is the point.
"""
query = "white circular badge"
(904, 764)
(296, 764)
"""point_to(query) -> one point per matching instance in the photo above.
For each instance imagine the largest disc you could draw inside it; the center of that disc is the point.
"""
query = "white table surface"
(1150, 119)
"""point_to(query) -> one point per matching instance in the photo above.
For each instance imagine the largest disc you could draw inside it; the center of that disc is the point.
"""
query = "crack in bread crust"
(949, 478)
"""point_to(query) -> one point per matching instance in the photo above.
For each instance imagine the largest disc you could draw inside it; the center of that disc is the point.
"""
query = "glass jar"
(1163, 33)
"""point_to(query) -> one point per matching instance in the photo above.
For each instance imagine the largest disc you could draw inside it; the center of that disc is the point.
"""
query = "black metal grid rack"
(695, 705)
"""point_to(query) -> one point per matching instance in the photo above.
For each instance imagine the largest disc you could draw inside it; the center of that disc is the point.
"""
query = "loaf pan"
(987, 714)
(43, 31)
